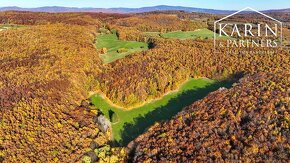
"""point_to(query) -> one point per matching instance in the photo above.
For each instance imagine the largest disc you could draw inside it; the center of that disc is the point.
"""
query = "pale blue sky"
(213, 4)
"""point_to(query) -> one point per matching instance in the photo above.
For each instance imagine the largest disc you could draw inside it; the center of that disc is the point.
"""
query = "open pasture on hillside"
(117, 49)
(10, 26)
(197, 34)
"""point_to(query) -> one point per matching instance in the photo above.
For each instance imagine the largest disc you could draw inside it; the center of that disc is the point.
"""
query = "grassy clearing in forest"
(134, 122)
(200, 33)
(117, 49)
(197, 34)
(10, 26)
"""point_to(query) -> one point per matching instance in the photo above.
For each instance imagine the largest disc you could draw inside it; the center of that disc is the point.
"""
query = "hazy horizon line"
(137, 7)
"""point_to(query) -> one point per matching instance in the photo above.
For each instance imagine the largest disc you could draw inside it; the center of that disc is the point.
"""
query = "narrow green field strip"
(197, 34)
(11, 26)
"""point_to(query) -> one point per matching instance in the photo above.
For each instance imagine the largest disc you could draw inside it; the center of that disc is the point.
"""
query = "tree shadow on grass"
(140, 124)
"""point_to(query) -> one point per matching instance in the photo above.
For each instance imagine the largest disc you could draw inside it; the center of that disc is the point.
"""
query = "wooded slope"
(249, 122)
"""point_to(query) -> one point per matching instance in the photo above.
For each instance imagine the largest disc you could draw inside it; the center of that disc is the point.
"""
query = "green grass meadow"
(183, 35)
(134, 122)
(113, 44)
(11, 26)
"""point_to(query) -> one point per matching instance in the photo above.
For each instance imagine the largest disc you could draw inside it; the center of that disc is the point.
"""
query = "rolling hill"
(125, 10)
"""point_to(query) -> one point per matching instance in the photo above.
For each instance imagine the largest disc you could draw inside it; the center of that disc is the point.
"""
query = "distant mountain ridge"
(126, 10)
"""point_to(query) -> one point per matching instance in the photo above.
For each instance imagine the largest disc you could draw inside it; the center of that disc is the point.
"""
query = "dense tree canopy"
(49, 68)
(249, 122)
(171, 62)
(45, 73)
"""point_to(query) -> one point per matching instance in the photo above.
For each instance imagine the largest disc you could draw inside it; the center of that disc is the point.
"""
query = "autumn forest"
(140, 87)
